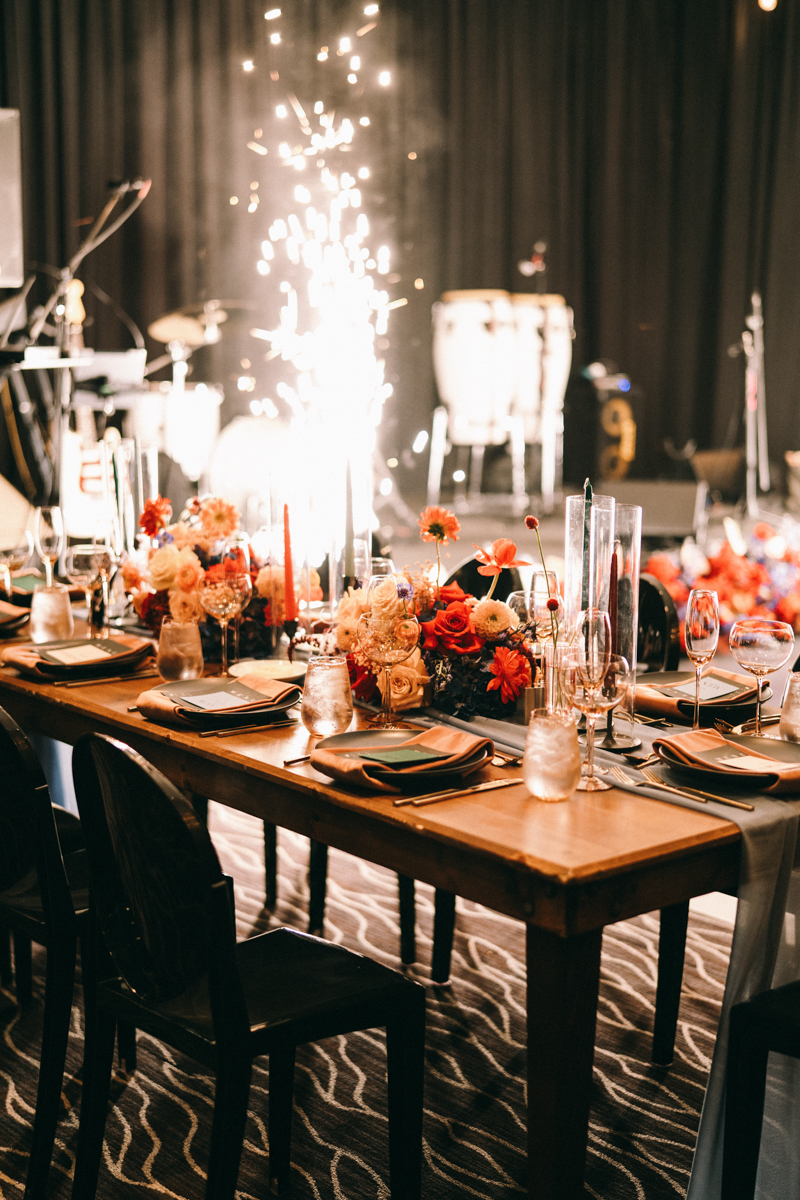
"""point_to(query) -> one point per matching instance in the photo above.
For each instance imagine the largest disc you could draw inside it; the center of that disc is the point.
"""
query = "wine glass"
(236, 550)
(594, 683)
(90, 567)
(761, 647)
(15, 552)
(702, 635)
(386, 640)
(49, 537)
(223, 594)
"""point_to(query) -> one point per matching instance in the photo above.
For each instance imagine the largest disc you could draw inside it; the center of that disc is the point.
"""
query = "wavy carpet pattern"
(643, 1120)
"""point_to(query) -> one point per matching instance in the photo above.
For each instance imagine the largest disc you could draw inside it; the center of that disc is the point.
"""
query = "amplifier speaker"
(670, 508)
(11, 261)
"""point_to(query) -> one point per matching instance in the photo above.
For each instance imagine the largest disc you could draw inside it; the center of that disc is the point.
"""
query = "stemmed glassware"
(14, 554)
(224, 591)
(388, 635)
(761, 647)
(702, 635)
(49, 537)
(544, 587)
(236, 549)
(90, 568)
(595, 680)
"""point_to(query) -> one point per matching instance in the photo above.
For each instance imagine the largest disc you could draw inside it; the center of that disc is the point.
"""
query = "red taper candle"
(290, 604)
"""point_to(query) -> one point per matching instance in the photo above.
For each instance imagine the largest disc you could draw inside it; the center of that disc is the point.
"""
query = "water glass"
(551, 764)
(327, 705)
(790, 712)
(180, 654)
(51, 614)
(702, 635)
(49, 537)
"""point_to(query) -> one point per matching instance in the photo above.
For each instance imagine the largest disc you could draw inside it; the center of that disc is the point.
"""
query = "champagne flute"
(236, 550)
(702, 635)
(14, 554)
(223, 594)
(89, 567)
(593, 643)
(386, 640)
(49, 537)
(613, 675)
(761, 647)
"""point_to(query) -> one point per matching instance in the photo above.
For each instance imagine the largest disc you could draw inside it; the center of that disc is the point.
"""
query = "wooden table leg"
(563, 981)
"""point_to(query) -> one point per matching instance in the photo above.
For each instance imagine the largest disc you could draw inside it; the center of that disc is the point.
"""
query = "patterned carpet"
(643, 1121)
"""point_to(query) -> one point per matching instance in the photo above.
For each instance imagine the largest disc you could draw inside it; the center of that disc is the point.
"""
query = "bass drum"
(659, 645)
(474, 358)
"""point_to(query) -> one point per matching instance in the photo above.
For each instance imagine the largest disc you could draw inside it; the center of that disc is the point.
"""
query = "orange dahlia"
(218, 518)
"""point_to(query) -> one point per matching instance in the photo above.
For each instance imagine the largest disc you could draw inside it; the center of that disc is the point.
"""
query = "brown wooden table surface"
(567, 870)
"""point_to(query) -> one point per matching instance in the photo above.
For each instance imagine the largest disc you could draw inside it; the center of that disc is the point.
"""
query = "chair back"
(28, 838)
(152, 867)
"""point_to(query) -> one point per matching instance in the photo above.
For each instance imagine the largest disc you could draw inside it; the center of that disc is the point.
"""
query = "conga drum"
(474, 359)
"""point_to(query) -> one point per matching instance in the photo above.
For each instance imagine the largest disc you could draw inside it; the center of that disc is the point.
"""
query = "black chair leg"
(317, 885)
(405, 1053)
(126, 1047)
(444, 923)
(97, 1063)
(671, 952)
(6, 970)
(23, 968)
(745, 1088)
(59, 983)
(270, 865)
(200, 806)
(227, 1130)
(408, 919)
(281, 1089)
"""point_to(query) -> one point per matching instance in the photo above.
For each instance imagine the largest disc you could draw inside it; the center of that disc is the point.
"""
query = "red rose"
(451, 592)
(363, 683)
(452, 629)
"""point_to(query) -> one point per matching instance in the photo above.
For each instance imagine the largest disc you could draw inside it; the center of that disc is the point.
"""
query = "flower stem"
(438, 571)
(553, 621)
(491, 589)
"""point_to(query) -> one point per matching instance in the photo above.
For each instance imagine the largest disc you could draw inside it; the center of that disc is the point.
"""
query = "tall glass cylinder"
(624, 607)
(589, 544)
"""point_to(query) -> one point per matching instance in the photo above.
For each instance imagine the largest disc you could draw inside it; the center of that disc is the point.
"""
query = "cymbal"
(175, 327)
(216, 308)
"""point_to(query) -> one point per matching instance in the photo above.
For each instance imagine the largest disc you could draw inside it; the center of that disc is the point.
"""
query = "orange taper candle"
(290, 604)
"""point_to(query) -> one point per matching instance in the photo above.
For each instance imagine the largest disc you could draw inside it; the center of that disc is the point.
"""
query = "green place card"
(403, 756)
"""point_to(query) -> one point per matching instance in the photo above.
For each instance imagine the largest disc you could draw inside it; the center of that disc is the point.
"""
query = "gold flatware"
(74, 683)
(246, 729)
(650, 779)
(435, 797)
(295, 762)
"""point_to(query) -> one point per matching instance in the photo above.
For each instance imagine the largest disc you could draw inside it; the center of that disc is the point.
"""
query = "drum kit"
(502, 363)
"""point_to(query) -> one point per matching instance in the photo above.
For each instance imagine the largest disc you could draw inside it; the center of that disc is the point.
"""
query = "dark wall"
(656, 146)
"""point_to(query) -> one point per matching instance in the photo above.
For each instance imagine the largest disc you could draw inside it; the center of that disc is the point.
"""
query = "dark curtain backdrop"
(655, 146)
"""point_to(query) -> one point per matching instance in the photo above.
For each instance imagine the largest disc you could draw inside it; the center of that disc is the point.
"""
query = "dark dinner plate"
(749, 781)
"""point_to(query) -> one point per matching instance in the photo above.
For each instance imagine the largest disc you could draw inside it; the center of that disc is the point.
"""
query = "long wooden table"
(566, 870)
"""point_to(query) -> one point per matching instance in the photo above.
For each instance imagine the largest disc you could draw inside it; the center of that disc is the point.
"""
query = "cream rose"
(346, 634)
(353, 604)
(408, 682)
(185, 607)
(385, 601)
(188, 572)
(162, 567)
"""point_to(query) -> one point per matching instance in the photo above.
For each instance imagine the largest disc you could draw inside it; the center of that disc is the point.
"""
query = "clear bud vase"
(553, 660)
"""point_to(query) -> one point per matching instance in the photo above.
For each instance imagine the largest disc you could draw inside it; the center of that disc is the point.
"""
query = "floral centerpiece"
(474, 655)
(762, 582)
(182, 554)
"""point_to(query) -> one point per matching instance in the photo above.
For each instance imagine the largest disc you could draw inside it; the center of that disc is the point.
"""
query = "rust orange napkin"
(28, 661)
(460, 747)
(169, 707)
(706, 748)
(661, 700)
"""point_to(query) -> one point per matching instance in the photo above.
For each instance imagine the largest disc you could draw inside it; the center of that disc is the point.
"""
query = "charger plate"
(380, 739)
(279, 669)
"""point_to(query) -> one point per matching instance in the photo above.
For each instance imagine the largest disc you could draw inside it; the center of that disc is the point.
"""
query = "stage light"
(384, 79)
(459, 476)
(351, 78)
(420, 441)
(262, 267)
(280, 111)
(624, 385)
(234, 199)
(391, 462)
(322, 56)
(355, 63)
(363, 172)
(363, 121)
(246, 383)
(344, 45)
(386, 487)
(319, 107)
(768, 5)
(419, 284)
(272, 14)
(275, 38)
(248, 65)
(412, 154)
(370, 10)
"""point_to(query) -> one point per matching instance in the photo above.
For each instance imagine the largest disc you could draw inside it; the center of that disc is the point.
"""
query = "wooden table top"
(619, 852)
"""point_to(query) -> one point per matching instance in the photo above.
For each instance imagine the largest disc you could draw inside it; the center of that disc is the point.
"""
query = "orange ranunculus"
(503, 554)
(452, 629)
(155, 515)
(438, 525)
(512, 673)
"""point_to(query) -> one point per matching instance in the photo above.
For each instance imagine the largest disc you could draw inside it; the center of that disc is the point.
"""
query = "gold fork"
(693, 793)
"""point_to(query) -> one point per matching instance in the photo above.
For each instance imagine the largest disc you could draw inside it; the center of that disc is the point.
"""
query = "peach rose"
(385, 601)
(189, 572)
(408, 682)
(185, 607)
(162, 566)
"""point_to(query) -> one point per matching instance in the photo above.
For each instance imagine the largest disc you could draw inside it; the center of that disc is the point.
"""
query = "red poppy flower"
(155, 515)
(512, 673)
(452, 629)
(503, 555)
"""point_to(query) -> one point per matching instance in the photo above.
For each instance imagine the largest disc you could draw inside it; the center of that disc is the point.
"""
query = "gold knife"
(434, 797)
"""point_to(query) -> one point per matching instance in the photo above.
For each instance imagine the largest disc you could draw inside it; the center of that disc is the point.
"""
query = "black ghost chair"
(43, 899)
(171, 965)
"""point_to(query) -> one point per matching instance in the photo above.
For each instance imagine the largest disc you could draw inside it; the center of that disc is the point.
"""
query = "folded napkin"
(11, 612)
(458, 747)
(673, 699)
(220, 701)
(128, 654)
(711, 751)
